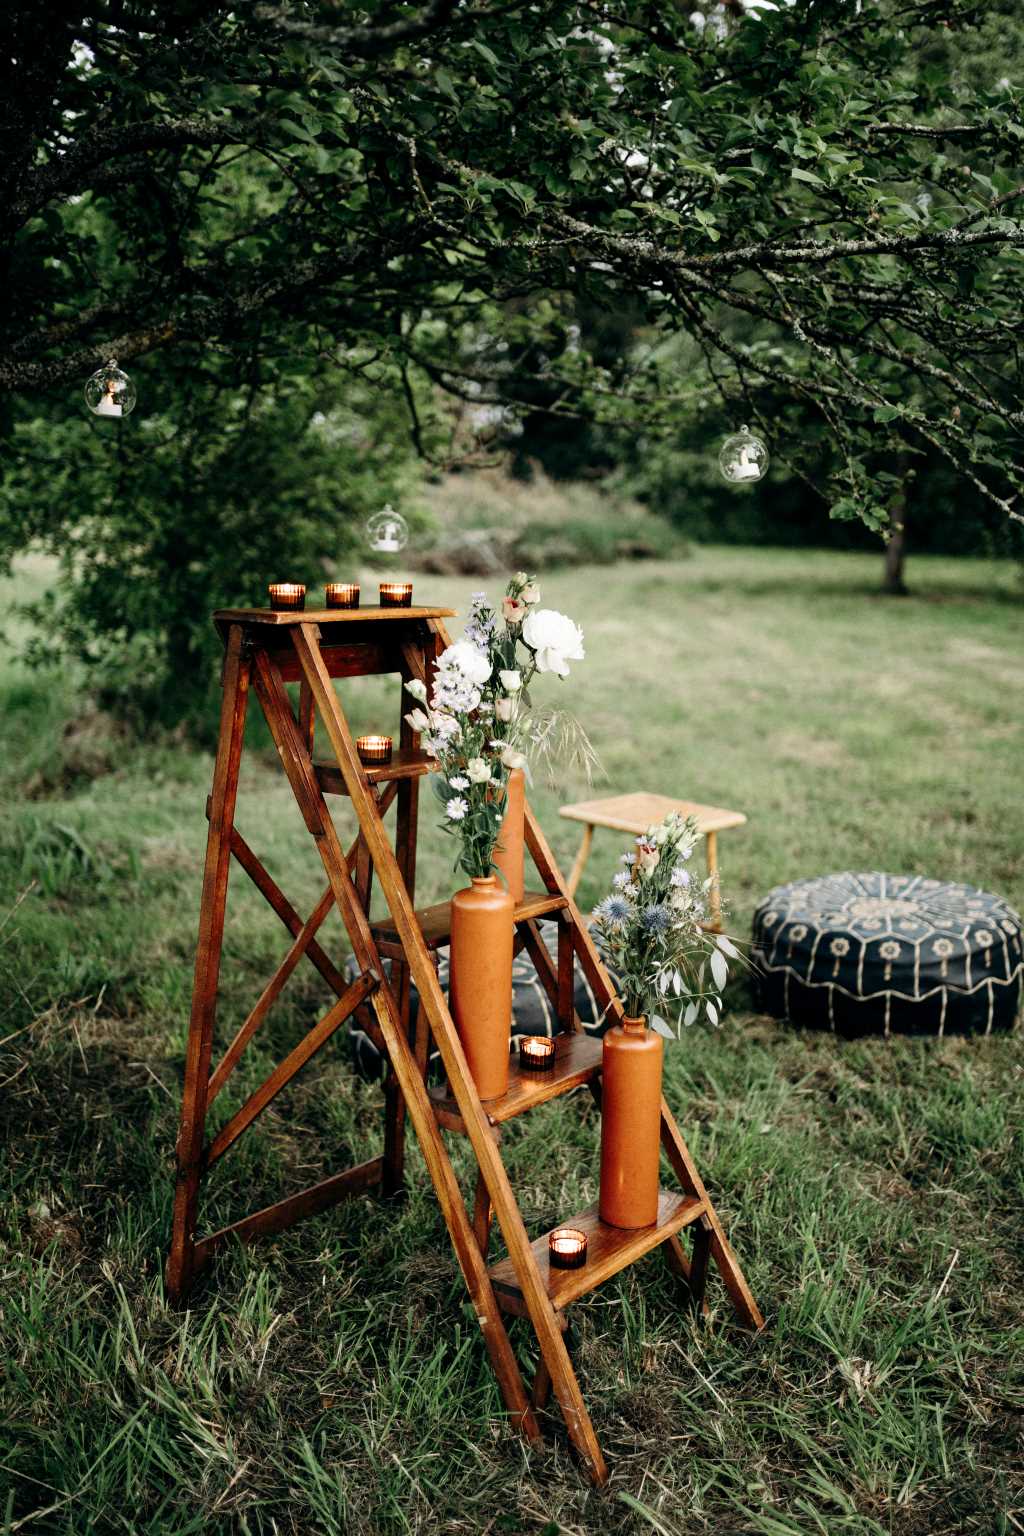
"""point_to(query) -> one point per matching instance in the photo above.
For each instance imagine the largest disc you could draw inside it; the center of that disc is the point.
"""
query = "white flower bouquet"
(650, 933)
(475, 722)
(523, 641)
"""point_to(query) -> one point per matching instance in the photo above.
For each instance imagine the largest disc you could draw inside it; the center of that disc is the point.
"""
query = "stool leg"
(580, 861)
(711, 846)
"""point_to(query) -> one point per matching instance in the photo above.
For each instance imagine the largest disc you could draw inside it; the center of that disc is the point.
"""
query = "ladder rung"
(436, 921)
(577, 1060)
(609, 1249)
(406, 763)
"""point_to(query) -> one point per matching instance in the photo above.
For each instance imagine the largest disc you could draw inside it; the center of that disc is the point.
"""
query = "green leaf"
(799, 174)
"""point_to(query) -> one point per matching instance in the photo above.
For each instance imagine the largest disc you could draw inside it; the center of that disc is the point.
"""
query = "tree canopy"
(810, 211)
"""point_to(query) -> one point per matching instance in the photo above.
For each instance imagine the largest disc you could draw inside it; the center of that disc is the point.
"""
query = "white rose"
(511, 681)
(503, 709)
(555, 640)
(513, 759)
(478, 770)
(418, 720)
(417, 689)
(474, 665)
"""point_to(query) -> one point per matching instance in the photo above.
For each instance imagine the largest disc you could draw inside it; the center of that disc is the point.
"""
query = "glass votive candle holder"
(536, 1052)
(567, 1248)
(342, 594)
(396, 594)
(374, 750)
(287, 596)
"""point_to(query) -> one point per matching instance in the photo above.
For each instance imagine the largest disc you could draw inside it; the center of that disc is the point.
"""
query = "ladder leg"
(406, 818)
(181, 1260)
(542, 1313)
(483, 1210)
(299, 768)
(699, 1262)
(566, 1012)
(685, 1168)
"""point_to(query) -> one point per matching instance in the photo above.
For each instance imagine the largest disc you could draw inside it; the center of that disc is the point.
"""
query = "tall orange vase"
(480, 980)
(630, 1124)
(508, 854)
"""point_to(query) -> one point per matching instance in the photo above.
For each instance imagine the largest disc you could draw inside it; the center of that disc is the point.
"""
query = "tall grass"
(333, 1380)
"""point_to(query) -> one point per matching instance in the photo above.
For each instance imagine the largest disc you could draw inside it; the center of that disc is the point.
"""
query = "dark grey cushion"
(532, 1013)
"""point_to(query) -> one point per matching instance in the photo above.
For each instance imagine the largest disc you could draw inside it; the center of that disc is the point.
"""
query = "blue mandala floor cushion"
(873, 953)
(532, 1013)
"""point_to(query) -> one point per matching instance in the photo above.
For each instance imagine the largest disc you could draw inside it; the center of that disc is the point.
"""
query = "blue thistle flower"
(656, 918)
(614, 910)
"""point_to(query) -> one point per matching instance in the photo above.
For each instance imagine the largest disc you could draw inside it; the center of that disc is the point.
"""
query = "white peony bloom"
(479, 770)
(513, 759)
(511, 681)
(418, 720)
(554, 639)
(503, 709)
(465, 658)
(417, 689)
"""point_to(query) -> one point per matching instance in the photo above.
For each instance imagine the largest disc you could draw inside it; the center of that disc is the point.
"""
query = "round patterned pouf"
(863, 954)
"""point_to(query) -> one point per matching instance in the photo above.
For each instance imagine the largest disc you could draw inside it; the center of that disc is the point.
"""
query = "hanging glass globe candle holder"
(387, 531)
(743, 458)
(110, 392)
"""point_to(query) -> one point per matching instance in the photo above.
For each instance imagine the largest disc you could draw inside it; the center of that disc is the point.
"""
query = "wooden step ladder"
(264, 650)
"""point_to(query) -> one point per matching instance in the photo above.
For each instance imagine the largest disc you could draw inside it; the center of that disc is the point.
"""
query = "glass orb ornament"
(110, 392)
(387, 531)
(743, 458)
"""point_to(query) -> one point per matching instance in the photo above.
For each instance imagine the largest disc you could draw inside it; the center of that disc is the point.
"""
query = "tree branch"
(70, 171)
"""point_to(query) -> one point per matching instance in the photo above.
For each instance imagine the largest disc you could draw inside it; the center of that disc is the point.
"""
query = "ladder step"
(406, 763)
(577, 1060)
(436, 921)
(609, 1249)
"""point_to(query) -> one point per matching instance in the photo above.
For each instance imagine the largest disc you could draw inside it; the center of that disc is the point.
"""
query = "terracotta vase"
(630, 1124)
(480, 980)
(508, 854)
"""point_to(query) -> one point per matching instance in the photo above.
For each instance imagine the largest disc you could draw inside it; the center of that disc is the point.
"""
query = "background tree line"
(340, 246)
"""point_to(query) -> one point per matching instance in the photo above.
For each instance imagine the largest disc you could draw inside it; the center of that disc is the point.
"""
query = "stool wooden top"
(640, 810)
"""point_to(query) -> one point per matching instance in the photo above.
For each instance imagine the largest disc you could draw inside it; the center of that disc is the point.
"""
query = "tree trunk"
(895, 549)
(893, 582)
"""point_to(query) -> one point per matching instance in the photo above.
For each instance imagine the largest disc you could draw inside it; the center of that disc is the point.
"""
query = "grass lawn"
(333, 1380)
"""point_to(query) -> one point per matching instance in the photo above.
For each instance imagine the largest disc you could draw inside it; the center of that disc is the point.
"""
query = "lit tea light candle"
(374, 749)
(109, 404)
(396, 594)
(567, 1248)
(286, 595)
(342, 594)
(536, 1052)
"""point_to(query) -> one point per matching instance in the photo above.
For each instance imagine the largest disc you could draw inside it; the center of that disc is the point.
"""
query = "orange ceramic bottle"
(508, 854)
(630, 1124)
(480, 986)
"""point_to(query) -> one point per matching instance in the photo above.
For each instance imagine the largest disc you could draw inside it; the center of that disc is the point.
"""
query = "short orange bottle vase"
(508, 854)
(630, 1124)
(480, 981)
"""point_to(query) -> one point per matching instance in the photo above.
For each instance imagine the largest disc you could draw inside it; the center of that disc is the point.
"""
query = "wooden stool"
(635, 813)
